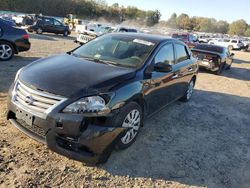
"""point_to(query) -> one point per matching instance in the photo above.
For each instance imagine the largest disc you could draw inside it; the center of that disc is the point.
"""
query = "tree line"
(95, 9)
(210, 25)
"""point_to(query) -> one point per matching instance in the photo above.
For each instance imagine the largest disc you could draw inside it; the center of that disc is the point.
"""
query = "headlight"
(17, 74)
(93, 104)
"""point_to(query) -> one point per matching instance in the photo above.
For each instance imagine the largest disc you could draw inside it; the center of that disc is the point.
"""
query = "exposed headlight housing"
(88, 105)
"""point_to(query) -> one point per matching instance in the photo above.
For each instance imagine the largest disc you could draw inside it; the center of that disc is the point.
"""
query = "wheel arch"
(12, 43)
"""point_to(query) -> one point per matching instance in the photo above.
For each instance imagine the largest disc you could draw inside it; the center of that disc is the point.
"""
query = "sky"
(228, 10)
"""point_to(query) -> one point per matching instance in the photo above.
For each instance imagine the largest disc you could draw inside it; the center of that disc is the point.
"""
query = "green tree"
(222, 27)
(238, 27)
(171, 22)
(183, 22)
(153, 17)
(247, 32)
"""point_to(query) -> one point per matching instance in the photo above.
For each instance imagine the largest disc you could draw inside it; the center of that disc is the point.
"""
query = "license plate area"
(25, 116)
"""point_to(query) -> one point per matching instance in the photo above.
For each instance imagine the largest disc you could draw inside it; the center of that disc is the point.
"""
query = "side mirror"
(162, 67)
(232, 54)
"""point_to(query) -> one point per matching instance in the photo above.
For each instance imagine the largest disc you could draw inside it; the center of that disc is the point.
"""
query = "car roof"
(212, 45)
(148, 37)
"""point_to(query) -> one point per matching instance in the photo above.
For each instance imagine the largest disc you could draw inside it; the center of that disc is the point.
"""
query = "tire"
(221, 68)
(130, 117)
(39, 31)
(230, 48)
(6, 51)
(65, 33)
(71, 26)
(189, 93)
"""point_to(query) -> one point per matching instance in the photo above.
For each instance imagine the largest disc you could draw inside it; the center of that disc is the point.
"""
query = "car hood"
(70, 76)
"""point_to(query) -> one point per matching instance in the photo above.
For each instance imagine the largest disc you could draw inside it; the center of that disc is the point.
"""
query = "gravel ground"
(204, 143)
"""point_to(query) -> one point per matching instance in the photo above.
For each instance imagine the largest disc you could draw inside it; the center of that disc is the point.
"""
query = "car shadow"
(196, 143)
(50, 37)
(239, 61)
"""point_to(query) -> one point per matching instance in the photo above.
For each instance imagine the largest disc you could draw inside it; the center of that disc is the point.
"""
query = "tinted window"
(165, 55)
(234, 41)
(226, 40)
(48, 21)
(57, 23)
(181, 53)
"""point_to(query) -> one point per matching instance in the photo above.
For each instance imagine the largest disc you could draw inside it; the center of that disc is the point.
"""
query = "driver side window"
(165, 55)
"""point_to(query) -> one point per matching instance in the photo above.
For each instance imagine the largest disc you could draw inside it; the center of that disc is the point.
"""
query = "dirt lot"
(202, 143)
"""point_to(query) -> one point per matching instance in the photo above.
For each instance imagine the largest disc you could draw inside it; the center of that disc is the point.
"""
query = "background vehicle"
(88, 35)
(212, 57)
(203, 39)
(12, 41)
(231, 44)
(109, 85)
(71, 21)
(188, 38)
(49, 25)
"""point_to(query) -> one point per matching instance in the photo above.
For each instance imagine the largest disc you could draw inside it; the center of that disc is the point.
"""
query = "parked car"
(231, 44)
(9, 21)
(87, 35)
(12, 41)
(97, 96)
(203, 39)
(212, 57)
(49, 25)
(188, 38)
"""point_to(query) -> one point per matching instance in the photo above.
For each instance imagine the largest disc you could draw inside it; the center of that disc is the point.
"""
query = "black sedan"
(49, 25)
(212, 57)
(12, 41)
(97, 96)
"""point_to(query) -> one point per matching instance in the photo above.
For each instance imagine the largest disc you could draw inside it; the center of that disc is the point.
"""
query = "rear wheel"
(39, 31)
(6, 51)
(189, 93)
(129, 118)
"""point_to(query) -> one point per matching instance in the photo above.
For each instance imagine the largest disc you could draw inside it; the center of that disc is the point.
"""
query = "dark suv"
(49, 25)
(97, 96)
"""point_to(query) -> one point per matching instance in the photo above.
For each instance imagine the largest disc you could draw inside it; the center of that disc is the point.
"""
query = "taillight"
(26, 36)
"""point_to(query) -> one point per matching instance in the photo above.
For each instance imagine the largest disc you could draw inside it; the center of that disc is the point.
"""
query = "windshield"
(119, 50)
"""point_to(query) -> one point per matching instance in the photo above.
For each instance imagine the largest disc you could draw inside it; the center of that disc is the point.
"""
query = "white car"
(231, 44)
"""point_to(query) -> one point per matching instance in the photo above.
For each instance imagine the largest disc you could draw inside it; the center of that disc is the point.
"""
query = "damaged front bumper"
(86, 139)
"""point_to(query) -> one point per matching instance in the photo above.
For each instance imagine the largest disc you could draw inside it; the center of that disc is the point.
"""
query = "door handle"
(175, 76)
(190, 69)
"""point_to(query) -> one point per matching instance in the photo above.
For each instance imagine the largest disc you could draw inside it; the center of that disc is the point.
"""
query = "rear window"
(210, 48)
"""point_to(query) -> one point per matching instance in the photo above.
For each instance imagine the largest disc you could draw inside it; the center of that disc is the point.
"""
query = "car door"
(161, 87)
(58, 26)
(48, 25)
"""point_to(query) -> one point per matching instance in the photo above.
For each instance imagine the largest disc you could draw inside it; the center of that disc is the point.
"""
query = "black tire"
(188, 95)
(121, 118)
(221, 68)
(66, 33)
(39, 31)
(6, 46)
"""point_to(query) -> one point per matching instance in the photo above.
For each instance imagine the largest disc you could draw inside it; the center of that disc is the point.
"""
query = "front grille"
(33, 101)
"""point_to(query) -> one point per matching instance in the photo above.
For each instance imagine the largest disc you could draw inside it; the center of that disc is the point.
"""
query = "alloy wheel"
(190, 89)
(5, 51)
(131, 121)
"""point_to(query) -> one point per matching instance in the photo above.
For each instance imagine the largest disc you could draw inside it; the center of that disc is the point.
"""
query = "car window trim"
(189, 57)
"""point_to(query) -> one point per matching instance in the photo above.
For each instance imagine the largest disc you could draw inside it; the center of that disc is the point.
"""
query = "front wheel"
(6, 51)
(189, 92)
(129, 118)
(66, 33)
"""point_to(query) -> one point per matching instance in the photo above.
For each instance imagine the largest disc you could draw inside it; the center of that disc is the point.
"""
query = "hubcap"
(190, 90)
(132, 121)
(5, 51)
